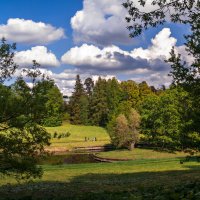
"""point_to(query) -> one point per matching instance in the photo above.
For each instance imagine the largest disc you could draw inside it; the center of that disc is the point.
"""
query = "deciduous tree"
(22, 139)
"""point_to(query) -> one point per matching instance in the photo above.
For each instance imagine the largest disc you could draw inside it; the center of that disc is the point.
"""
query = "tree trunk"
(132, 146)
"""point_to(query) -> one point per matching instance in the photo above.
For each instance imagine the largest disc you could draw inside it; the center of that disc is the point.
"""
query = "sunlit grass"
(77, 136)
(66, 173)
(138, 153)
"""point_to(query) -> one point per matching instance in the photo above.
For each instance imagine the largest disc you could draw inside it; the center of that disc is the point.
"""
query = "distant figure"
(85, 139)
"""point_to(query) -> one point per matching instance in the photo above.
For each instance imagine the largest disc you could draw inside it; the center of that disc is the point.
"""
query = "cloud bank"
(30, 32)
(113, 58)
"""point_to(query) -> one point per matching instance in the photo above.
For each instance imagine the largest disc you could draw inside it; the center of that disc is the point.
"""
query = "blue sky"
(88, 37)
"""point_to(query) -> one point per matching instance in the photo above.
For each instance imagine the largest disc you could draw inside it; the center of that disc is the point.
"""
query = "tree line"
(164, 117)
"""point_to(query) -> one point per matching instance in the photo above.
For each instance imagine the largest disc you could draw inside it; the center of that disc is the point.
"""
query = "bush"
(55, 134)
(62, 135)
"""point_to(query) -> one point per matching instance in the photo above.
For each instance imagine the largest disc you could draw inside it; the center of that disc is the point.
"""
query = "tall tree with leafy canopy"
(54, 105)
(22, 139)
(78, 103)
(134, 120)
(144, 90)
(114, 96)
(99, 104)
(166, 119)
(84, 105)
(89, 86)
(118, 129)
(130, 92)
(87, 100)
(124, 131)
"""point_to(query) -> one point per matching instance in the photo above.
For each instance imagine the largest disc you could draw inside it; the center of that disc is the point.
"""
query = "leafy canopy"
(22, 111)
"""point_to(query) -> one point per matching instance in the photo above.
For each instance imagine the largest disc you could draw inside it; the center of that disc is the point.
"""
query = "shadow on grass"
(143, 185)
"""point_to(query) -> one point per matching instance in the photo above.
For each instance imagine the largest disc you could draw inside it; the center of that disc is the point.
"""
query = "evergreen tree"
(84, 110)
(89, 85)
(99, 105)
(75, 102)
(114, 95)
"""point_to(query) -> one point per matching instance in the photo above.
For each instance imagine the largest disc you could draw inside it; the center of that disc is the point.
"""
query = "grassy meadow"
(148, 175)
(140, 154)
(104, 180)
(77, 137)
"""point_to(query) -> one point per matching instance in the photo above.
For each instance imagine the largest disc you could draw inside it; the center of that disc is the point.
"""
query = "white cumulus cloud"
(93, 57)
(30, 32)
(113, 58)
(39, 53)
(101, 22)
(160, 47)
(138, 64)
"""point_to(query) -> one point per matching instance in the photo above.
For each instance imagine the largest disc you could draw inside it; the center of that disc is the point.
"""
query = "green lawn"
(77, 137)
(104, 179)
(138, 153)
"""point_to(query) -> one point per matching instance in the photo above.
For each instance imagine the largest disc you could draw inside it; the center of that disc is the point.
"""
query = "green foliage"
(66, 117)
(78, 104)
(169, 117)
(104, 100)
(185, 75)
(54, 106)
(52, 121)
(99, 104)
(89, 86)
(21, 149)
(174, 10)
(7, 64)
(124, 132)
(22, 110)
(84, 110)
(144, 91)
(166, 119)
(61, 135)
(113, 94)
(130, 93)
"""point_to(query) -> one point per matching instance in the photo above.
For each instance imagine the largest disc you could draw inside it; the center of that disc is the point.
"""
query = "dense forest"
(167, 117)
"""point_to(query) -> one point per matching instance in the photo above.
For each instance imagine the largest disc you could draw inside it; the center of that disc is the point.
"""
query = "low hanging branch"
(176, 11)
